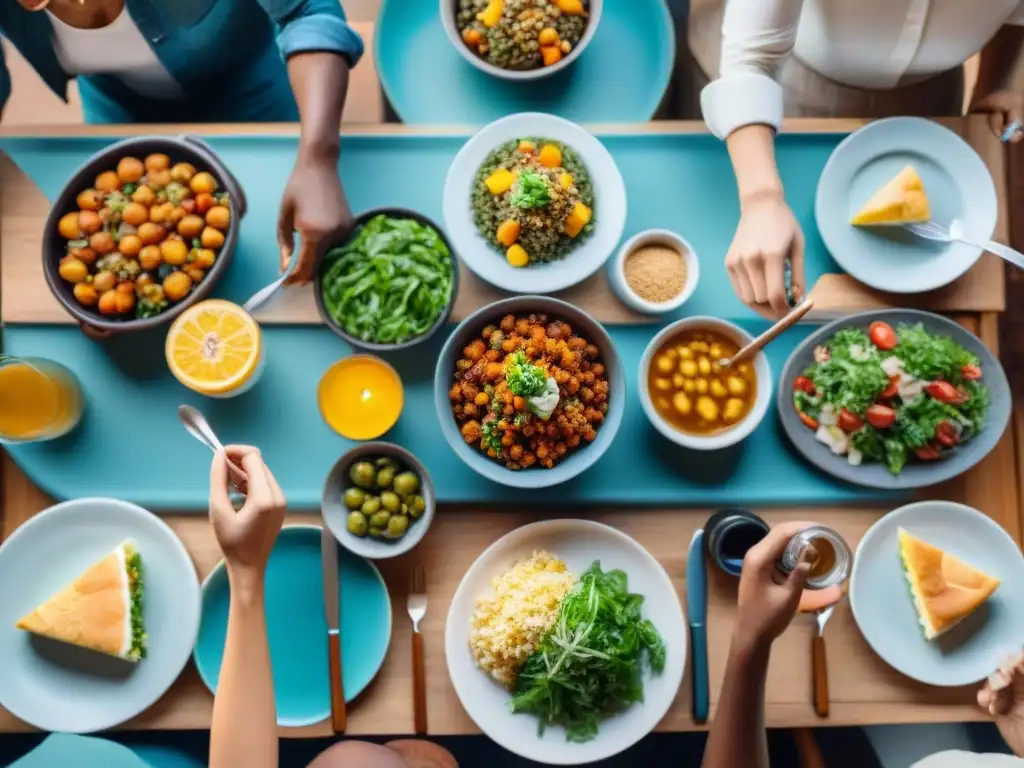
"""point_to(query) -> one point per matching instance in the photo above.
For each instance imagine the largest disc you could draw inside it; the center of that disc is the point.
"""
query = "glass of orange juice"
(360, 397)
(39, 399)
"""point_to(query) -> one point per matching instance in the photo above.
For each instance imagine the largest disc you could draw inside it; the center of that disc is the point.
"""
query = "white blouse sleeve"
(757, 36)
(1017, 17)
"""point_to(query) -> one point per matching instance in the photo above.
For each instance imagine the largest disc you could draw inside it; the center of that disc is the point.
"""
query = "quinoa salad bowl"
(534, 203)
(520, 39)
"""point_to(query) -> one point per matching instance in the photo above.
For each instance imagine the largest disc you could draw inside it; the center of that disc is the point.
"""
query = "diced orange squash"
(570, 7)
(548, 36)
(508, 232)
(550, 156)
(500, 181)
(577, 219)
(527, 147)
(550, 54)
(471, 36)
(565, 180)
(517, 256)
(491, 15)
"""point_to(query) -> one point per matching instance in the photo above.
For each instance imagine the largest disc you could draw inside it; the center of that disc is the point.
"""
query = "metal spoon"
(197, 426)
(262, 296)
(761, 341)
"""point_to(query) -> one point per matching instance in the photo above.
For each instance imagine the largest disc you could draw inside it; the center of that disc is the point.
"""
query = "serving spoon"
(197, 426)
(263, 295)
(762, 341)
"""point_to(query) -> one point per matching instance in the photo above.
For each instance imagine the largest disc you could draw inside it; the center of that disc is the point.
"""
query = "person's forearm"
(244, 727)
(1002, 65)
(320, 83)
(738, 738)
(752, 151)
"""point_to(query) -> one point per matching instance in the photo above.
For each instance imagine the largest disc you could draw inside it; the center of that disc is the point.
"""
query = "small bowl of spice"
(654, 272)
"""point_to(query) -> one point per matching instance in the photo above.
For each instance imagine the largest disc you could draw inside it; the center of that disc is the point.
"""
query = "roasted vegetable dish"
(522, 34)
(529, 391)
(391, 283)
(889, 395)
(384, 499)
(533, 201)
(144, 235)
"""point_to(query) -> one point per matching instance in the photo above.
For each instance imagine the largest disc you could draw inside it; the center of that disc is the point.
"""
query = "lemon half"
(214, 347)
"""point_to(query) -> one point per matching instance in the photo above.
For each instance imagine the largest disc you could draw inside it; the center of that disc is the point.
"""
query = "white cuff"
(736, 100)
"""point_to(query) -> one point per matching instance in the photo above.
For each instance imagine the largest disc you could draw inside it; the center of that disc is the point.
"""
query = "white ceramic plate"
(58, 687)
(579, 543)
(958, 185)
(488, 263)
(884, 610)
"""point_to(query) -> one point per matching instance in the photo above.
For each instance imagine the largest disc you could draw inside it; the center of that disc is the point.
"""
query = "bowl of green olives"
(378, 500)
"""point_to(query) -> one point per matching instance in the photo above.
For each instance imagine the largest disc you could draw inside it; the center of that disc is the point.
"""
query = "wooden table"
(865, 690)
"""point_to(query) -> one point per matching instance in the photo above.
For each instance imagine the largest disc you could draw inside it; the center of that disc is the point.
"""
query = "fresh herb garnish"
(492, 436)
(524, 378)
(530, 190)
(589, 665)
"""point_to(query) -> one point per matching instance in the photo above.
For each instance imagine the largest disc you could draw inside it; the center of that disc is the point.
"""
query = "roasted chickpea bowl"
(141, 231)
(529, 391)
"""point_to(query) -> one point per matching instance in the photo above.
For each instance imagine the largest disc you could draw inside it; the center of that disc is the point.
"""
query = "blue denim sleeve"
(313, 25)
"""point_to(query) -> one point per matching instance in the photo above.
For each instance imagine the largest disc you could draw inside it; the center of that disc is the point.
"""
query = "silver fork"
(931, 230)
(417, 610)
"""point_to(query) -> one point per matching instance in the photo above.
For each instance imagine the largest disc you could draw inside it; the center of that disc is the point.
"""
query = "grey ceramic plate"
(917, 473)
(58, 687)
(884, 610)
(890, 258)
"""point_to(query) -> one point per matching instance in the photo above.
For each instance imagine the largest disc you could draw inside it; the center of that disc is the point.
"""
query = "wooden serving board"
(26, 298)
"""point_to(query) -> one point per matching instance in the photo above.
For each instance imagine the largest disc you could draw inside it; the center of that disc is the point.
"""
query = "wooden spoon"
(761, 341)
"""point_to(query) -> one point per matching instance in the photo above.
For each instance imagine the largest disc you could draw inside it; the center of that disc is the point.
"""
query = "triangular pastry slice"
(901, 201)
(946, 590)
(100, 610)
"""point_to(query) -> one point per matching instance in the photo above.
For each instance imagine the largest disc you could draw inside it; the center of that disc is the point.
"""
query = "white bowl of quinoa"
(533, 203)
(520, 39)
(655, 272)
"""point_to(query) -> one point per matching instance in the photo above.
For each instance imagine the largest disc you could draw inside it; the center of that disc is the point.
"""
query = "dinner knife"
(697, 612)
(332, 612)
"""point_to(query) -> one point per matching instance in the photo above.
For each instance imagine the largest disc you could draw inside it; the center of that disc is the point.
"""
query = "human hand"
(1005, 702)
(768, 234)
(1002, 108)
(768, 598)
(315, 206)
(247, 535)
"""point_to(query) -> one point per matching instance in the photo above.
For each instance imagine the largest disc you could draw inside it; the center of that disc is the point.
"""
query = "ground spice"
(656, 273)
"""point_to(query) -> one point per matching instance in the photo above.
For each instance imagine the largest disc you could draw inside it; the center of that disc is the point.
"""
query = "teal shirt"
(228, 56)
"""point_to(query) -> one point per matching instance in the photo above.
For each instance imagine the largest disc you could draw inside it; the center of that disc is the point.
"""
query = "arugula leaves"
(589, 665)
(928, 356)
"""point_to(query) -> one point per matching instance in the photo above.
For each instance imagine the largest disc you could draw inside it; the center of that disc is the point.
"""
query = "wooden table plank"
(26, 298)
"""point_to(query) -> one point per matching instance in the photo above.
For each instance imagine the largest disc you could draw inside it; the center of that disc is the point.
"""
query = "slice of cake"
(100, 610)
(901, 201)
(946, 590)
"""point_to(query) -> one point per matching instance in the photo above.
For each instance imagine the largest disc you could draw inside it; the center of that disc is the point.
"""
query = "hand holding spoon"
(264, 294)
(197, 426)
(762, 341)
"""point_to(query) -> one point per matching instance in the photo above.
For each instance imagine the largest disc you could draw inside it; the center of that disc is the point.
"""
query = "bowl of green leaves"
(391, 284)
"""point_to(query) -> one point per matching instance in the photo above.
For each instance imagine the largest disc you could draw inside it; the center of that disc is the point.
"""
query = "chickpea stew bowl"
(529, 391)
(141, 231)
(693, 401)
(520, 39)
(534, 203)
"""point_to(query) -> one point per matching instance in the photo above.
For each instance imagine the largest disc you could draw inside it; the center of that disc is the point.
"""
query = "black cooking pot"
(190, 149)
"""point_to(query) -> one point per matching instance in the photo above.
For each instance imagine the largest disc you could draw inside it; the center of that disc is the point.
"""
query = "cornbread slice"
(901, 201)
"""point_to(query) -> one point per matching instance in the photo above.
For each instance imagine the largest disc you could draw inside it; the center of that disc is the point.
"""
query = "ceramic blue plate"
(620, 77)
(958, 185)
(297, 629)
(884, 610)
(59, 687)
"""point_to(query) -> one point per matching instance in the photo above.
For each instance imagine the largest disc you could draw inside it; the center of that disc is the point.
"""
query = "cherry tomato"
(882, 335)
(943, 391)
(971, 372)
(892, 389)
(928, 453)
(880, 416)
(849, 422)
(803, 384)
(947, 434)
(808, 420)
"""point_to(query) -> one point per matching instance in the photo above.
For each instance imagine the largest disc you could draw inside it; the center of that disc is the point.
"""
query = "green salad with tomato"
(890, 395)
